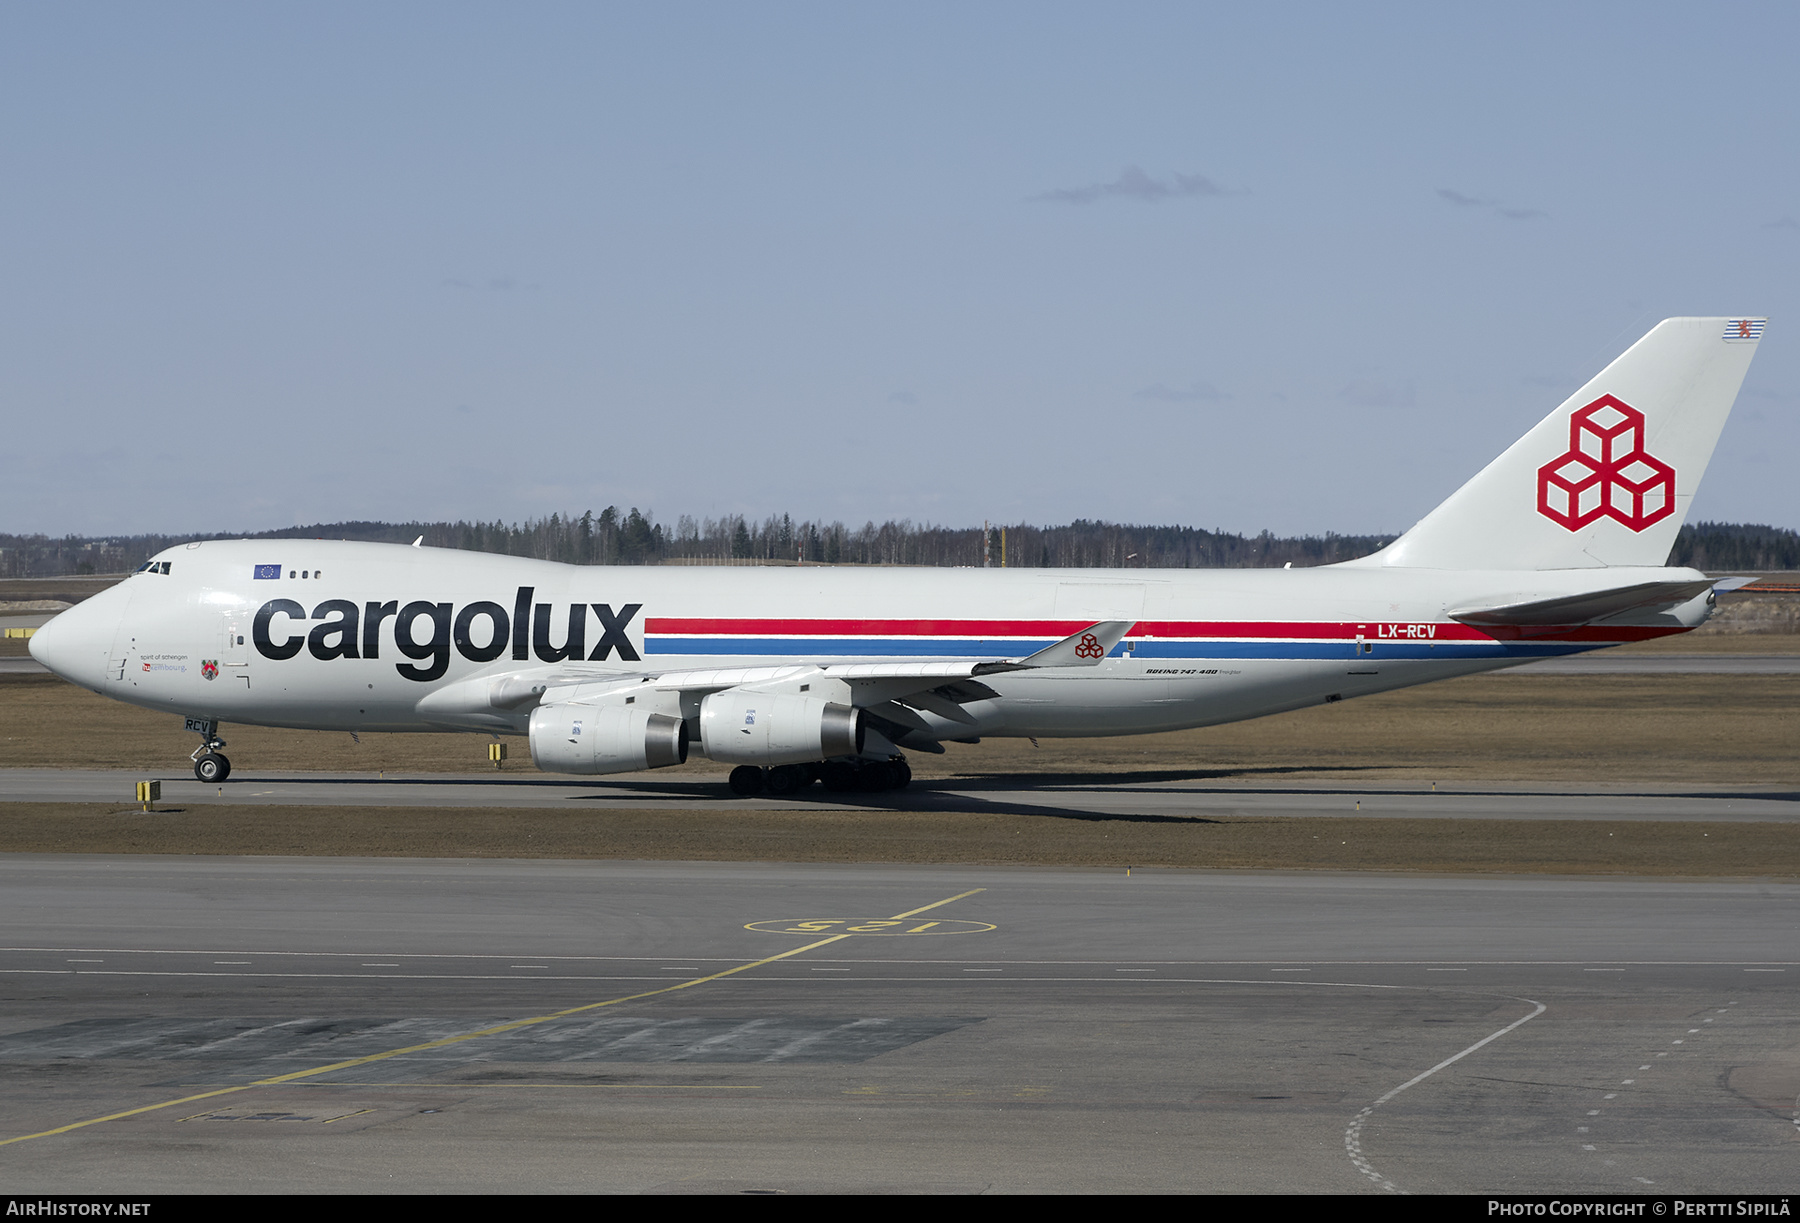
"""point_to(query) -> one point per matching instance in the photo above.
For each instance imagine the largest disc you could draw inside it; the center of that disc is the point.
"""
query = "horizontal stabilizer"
(1583, 608)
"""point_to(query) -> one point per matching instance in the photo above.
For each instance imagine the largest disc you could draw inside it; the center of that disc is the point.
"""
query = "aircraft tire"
(746, 780)
(212, 768)
(875, 776)
(838, 776)
(785, 779)
(902, 774)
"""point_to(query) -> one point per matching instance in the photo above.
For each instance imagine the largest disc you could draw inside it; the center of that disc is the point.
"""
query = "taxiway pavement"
(296, 1025)
(1096, 794)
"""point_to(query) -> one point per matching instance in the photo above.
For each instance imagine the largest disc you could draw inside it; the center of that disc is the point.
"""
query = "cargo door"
(1096, 601)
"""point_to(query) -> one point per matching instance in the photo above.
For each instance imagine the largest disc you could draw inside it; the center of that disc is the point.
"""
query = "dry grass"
(1675, 728)
(1685, 729)
(1460, 846)
(1634, 728)
(1710, 641)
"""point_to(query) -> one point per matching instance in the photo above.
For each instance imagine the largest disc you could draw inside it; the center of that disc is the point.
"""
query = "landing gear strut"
(209, 765)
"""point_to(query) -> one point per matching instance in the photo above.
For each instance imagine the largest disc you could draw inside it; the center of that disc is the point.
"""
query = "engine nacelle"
(605, 739)
(760, 728)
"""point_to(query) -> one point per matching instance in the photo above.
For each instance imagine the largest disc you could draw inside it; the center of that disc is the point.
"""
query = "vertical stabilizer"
(1607, 478)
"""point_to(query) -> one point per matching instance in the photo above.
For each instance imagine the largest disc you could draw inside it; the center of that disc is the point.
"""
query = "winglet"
(1083, 649)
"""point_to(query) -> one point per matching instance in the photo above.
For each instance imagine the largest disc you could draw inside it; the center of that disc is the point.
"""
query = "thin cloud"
(1457, 199)
(495, 284)
(1784, 223)
(1377, 393)
(1134, 184)
(1197, 392)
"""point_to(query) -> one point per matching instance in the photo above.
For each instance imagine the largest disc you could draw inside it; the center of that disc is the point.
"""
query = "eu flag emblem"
(266, 571)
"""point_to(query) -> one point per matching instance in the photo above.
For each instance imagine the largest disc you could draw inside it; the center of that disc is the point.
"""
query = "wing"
(895, 692)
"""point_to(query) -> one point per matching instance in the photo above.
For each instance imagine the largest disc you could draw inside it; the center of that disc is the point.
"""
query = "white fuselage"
(616, 669)
(355, 636)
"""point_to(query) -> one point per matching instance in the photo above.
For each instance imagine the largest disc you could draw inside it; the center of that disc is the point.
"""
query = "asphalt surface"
(683, 1028)
(1092, 794)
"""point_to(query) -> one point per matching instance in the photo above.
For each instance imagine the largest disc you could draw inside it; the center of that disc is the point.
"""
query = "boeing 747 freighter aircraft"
(793, 674)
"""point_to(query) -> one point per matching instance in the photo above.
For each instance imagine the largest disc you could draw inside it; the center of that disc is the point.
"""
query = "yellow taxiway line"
(496, 1030)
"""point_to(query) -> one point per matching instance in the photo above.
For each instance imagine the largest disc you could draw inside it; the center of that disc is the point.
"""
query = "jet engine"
(760, 728)
(605, 739)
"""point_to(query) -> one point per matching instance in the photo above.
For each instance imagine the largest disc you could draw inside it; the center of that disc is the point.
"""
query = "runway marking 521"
(497, 1029)
(885, 926)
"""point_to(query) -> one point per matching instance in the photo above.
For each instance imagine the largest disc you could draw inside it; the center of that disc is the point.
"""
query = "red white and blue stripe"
(824, 640)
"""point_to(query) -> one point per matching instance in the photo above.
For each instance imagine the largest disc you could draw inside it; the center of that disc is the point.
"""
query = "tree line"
(634, 537)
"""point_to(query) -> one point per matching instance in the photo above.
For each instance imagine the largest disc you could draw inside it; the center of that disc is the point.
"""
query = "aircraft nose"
(74, 644)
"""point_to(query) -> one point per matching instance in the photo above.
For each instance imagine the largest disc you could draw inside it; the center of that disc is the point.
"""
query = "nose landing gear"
(209, 765)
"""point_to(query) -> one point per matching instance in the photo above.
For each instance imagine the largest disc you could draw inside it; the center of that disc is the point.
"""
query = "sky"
(1303, 268)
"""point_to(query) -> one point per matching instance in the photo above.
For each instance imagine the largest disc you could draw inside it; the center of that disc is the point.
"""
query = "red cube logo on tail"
(1606, 472)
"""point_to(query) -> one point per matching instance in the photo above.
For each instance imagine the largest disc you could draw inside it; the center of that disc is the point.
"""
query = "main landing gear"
(838, 776)
(209, 765)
